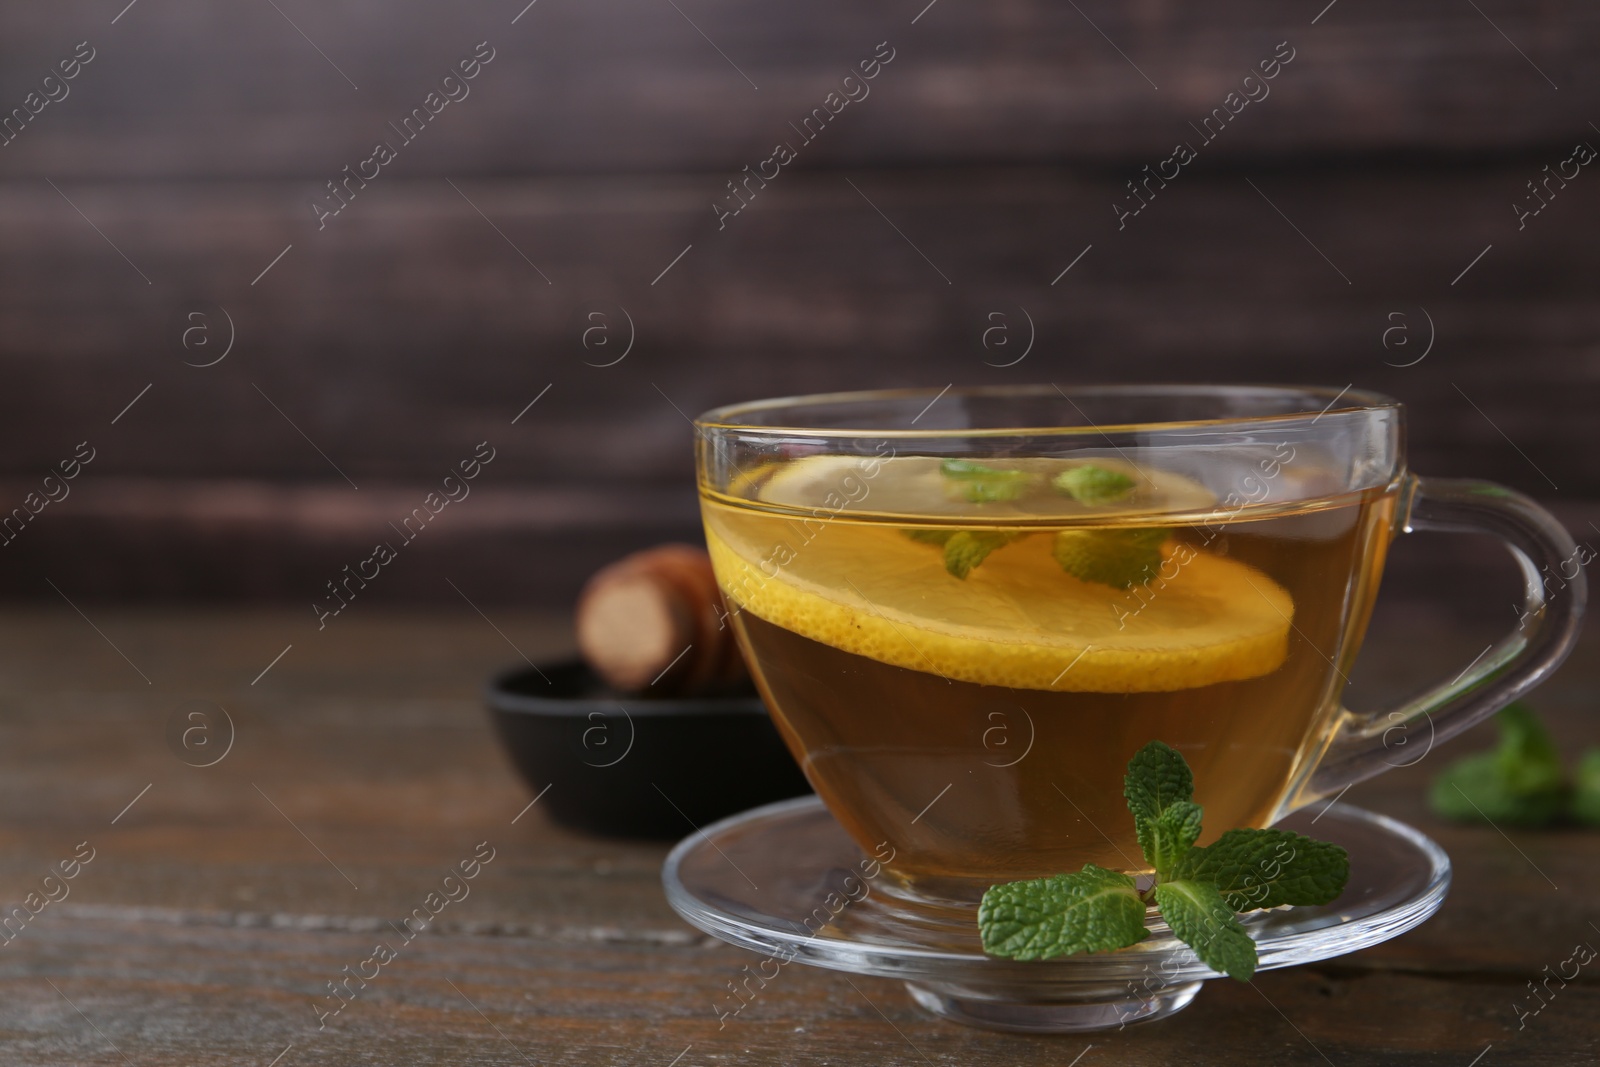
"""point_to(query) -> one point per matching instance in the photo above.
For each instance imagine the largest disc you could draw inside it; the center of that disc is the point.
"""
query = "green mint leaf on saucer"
(963, 549)
(1121, 558)
(1586, 796)
(1093, 485)
(1200, 919)
(1255, 869)
(1160, 789)
(1520, 783)
(1158, 777)
(1166, 839)
(1198, 890)
(1093, 910)
(980, 484)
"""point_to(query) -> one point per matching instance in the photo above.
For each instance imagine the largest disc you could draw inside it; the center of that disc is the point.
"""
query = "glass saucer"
(785, 881)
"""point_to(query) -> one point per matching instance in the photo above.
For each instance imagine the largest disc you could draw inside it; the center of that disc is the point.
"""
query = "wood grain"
(207, 923)
(415, 331)
(459, 284)
(185, 90)
(384, 352)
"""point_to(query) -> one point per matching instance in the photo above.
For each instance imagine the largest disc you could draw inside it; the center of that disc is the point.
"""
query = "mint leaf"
(1199, 891)
(1200, 919)
(963, 549)
(1160, 791)
(1586, 798)
(1476, 789)
(966, 469)
(1520, 783)
(968, 548)
(980, 484)
(1157, 778)
(1527, 756)
(1266, 868)
(1120, 558)
(1093, 485)
(1091, 911)
(1166, 839)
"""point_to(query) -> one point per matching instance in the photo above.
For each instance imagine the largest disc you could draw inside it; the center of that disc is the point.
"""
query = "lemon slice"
(1018, 621)
(913, 485)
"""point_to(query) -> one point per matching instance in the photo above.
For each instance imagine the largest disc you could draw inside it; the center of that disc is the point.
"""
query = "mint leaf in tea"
(963, 549)
(1118, 558)
(1090, 484)
(968, 548)
(980, 484)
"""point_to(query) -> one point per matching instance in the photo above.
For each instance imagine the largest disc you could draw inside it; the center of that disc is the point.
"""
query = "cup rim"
(734, 416)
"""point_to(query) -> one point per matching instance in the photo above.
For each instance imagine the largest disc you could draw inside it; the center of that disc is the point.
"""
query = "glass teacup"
(967, 610)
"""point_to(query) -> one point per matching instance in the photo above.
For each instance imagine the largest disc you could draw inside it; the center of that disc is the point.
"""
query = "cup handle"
(1554, 592)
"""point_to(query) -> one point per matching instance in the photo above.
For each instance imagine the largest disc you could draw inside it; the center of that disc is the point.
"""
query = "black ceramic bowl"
(638, 768)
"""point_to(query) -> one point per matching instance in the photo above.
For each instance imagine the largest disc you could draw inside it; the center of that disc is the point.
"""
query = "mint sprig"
(1199, 891)
(1520, 783)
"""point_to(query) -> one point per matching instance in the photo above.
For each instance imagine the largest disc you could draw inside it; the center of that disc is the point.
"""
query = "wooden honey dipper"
(653, 623)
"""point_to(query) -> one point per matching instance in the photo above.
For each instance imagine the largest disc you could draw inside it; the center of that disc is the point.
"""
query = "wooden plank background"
(458, 285)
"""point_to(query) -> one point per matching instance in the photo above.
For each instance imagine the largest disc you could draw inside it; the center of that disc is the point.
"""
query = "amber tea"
(963, 654)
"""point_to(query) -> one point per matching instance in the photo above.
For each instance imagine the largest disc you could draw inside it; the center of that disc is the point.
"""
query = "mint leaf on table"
(1520, 783)
(963, 549)
(1090, 911)
(1255, 869)
(1121, 558)
(1199, 891)
(1200, 919)
(1586, 795)
(1093, 485)
(980, 484)
(1527, 756)
(1475, 789)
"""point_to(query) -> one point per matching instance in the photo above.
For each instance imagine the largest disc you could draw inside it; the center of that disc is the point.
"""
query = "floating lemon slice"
(913, 485)
(1017, 621)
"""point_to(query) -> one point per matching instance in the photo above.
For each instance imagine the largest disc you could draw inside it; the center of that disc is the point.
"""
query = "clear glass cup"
(963, 641)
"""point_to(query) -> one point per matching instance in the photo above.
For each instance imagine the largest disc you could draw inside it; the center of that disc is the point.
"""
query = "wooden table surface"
(219, 905)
